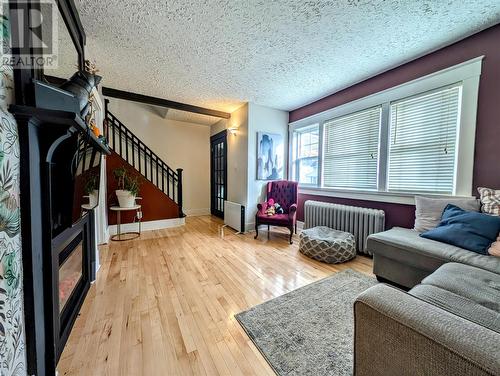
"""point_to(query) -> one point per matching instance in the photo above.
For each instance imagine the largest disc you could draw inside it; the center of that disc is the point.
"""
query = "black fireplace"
(58, 157)
(72, 161)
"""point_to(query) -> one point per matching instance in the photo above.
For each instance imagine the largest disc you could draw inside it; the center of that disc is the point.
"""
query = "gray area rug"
(309, 331)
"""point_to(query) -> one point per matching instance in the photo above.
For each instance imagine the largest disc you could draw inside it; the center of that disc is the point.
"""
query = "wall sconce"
(233, 130)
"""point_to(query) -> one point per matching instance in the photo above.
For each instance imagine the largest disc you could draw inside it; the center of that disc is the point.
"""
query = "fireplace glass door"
(71, 280)
(70, 273)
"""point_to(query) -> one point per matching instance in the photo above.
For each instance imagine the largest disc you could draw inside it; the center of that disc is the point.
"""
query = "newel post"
(105, 122)
(179, 192)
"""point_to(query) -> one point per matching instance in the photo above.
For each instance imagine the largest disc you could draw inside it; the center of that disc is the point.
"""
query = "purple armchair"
(284, 193)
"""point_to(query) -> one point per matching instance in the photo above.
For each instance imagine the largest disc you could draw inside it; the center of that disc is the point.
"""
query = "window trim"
(378, 196)
(293, 166)
(467, 73)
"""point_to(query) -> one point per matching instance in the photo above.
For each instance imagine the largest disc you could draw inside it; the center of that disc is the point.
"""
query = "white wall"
(262, 119)
(237, 156)
(243, 186)
(179, 144)
(186, 145)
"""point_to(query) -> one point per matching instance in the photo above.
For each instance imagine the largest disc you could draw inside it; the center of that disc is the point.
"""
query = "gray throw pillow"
(428, 211)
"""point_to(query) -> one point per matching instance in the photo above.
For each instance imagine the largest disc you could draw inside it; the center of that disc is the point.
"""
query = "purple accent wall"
(399, 215)
(487, 152)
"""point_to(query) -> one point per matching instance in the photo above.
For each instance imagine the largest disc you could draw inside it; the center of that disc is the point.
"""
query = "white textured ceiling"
(281, 54)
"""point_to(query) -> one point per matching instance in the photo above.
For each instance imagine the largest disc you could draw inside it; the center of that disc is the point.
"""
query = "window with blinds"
(306, 155)
(350, 155)
(414, 138)
(423, 135)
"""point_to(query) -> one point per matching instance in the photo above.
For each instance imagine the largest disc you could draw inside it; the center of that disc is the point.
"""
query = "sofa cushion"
(469, 230)
(458, 305)
(466, 291)
(471, 282)
(428, 210)
(494, 249)
(490, 200)
(407, 247)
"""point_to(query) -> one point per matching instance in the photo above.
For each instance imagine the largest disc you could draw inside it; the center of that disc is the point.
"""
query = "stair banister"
(114, 129)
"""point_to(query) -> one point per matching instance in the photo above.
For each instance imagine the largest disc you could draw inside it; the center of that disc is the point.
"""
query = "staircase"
(137, 154)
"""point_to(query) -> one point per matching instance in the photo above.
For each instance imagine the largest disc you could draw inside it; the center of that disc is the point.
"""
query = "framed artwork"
(270, 155)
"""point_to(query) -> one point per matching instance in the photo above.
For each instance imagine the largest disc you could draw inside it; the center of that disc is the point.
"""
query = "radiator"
(360, 222)
(234, 216)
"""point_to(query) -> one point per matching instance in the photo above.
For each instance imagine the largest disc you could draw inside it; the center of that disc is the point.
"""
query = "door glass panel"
(218, 180)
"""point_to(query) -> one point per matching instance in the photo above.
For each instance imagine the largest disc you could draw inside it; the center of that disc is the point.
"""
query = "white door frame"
(101, 217)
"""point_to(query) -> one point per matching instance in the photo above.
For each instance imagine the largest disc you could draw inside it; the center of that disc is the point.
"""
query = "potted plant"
(128, 187)
(92, 190)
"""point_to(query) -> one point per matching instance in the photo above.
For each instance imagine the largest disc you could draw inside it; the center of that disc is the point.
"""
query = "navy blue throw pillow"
(465, 229)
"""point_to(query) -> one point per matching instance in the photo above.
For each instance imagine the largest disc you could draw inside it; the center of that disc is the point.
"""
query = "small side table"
(130, 234)
(87, 207)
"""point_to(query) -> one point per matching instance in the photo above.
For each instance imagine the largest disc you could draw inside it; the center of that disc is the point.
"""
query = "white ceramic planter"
(93, 197)
(125, 198)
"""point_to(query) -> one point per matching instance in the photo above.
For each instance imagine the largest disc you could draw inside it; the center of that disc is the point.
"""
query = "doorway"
(218, 173)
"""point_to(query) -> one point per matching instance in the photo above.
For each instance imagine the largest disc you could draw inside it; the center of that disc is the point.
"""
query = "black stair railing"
(129, 147)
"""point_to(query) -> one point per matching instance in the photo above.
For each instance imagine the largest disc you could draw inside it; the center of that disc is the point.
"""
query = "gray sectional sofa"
(448, 323)
(401, 256)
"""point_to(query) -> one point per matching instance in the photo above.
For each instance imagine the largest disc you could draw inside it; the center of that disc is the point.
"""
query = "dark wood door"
(218, 173)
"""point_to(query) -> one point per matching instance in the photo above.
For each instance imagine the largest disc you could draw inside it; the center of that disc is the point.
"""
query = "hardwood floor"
(164, 304)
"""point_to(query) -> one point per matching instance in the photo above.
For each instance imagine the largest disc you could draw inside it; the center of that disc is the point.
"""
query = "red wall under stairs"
(155, 204)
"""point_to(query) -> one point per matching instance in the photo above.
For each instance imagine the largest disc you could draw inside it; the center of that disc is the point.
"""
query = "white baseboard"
(106, 237)
(197, 212)
(250, 227)
(148, 226)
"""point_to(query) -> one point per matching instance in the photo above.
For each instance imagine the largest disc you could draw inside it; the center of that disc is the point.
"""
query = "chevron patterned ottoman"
(327, 245)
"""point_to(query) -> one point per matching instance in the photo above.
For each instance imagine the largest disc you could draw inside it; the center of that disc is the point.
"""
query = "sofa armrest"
(292, 210)
(399, 334)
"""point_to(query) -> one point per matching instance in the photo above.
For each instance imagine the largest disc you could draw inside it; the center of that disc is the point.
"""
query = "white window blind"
(423, 132)
(351, 150)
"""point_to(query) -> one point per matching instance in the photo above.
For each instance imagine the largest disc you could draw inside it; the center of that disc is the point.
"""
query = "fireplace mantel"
(70, 121)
